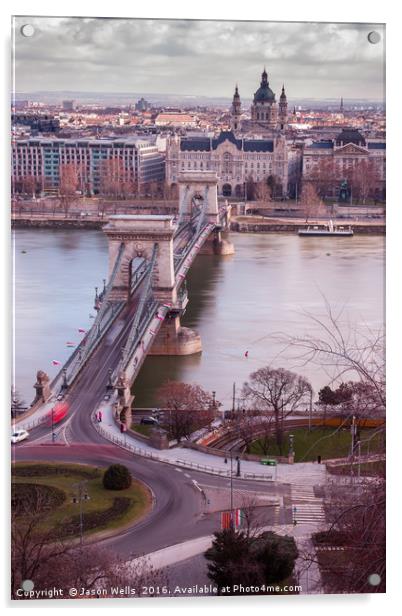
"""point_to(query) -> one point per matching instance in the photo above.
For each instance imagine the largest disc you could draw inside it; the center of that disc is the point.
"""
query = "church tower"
(236, 110)
(283, 110)
(264, 108)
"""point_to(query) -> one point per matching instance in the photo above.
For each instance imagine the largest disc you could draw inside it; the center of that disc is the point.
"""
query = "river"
(237, 303)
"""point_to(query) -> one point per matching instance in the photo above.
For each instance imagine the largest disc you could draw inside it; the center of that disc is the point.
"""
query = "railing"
(34, 423)
(124, 443)
(258, 477)
(95, 329)
(145, 301)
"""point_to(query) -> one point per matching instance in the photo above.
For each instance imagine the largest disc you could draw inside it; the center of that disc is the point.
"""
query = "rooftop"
(205, 144)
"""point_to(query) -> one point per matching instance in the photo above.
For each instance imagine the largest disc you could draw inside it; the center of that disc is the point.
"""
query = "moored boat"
(326, 230)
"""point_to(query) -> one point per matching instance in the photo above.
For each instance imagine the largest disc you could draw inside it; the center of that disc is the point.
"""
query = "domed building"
(266, 114)
(264, 109)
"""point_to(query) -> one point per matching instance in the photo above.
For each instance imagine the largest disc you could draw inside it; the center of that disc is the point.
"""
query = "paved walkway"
(302, 473)
(37, 417)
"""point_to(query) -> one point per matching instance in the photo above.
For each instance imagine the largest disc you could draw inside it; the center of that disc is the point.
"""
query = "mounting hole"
(27, 30)
(27, 585)
(374, 579)
(374, 37)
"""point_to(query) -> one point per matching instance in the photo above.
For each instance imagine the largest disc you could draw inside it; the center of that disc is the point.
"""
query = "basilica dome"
(264, 92)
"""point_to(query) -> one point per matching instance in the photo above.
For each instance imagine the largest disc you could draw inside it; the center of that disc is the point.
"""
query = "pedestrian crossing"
(306, 507)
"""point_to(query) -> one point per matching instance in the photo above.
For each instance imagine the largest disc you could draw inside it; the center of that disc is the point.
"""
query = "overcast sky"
(199, 57)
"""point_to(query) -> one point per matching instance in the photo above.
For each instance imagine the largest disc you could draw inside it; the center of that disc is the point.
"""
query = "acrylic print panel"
(198, 213)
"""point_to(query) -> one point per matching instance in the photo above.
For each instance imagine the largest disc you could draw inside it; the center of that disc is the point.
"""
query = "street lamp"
(78, 499)
(291, 447)
(310, 409)
(52, 424)
(231, 484)
(97, 301)
(65, 384)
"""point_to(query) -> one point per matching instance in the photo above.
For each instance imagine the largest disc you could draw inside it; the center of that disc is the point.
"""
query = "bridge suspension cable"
(95, 330)
(144, 303)
(182, 207)
(202, 216)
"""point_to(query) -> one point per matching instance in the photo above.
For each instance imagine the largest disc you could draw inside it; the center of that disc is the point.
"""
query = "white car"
(19, 435)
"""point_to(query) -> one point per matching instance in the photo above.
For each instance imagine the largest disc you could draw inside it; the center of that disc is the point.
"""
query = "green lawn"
(325, 442)
(144, 429)
(104, 510)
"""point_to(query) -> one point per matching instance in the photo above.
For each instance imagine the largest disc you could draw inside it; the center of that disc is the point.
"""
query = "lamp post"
(310, 409)
(65, 384)
(359, 450)
(291, 446)
(110, 382)
(78, 499)
(231, 484)
(52, 426)
(352, 448)
(96, 302)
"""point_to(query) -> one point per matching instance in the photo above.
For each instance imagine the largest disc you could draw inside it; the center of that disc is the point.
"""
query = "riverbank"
(249, 224)
(56, 222)
(239, 224)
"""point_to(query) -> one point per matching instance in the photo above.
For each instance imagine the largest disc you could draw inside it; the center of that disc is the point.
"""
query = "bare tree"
(189, 408)
(275, 185)
(18, 405)
(279, 391)
(323, 177)
(264, 434)
(364, 178)
(253, 516)
(356, 515)
(342, 351)
(116, 179)
(51, 561)
(263, 191)
(310, 202)
(68, 185)
(29, 185)
(250, 188)
(245, 428)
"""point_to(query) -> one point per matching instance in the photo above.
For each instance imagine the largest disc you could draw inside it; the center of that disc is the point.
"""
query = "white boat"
(326, 230)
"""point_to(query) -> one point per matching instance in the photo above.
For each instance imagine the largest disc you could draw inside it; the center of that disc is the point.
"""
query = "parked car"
(150, 421)
(19, 435)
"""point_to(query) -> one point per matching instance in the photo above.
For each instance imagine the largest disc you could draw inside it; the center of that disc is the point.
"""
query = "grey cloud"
(198, 57)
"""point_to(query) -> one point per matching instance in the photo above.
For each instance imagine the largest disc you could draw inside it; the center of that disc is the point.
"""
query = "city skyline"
(313, 60)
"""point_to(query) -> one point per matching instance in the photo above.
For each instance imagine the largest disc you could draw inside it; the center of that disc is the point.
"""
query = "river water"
(238, 303)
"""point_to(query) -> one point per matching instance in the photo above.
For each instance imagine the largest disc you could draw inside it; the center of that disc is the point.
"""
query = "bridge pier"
(173, 339)
(217, 244)
(125, 400)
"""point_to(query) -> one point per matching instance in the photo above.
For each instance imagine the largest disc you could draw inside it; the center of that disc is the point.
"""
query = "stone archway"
(139, 234)
(198, 183)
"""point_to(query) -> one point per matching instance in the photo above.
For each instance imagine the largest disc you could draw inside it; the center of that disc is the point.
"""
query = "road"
(177, 513)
